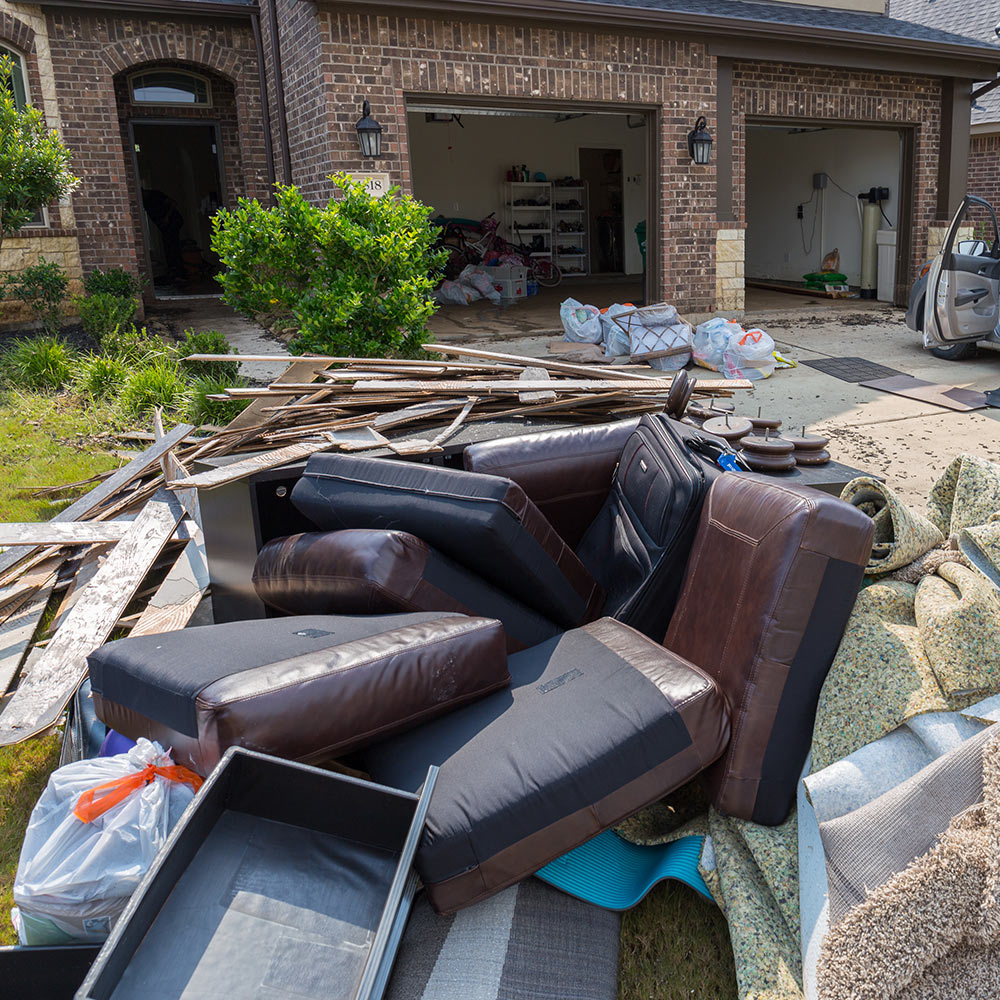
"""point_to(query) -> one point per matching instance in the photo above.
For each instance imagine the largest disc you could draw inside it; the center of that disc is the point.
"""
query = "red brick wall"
(768, 90)
(88, 51)
(984, 168)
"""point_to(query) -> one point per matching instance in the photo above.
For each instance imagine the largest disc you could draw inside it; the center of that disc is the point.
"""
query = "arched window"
(171, 86)
(17, 80)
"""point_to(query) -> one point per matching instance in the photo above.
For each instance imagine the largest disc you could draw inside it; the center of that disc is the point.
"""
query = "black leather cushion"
(363, 571)
(485, 523)
(306, 688)
(598, 722)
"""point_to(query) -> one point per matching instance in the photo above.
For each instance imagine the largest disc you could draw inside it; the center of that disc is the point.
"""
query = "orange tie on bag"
(121, 788)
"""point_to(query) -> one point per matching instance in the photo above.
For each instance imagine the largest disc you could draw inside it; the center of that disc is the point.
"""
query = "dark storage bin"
(280, 881)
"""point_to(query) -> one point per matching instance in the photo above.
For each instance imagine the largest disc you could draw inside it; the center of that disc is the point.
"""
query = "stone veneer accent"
(730, 282)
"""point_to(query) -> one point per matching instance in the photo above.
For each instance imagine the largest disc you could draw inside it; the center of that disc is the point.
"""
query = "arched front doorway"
(179, 128)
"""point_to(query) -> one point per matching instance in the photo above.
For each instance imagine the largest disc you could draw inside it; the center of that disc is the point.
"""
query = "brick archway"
(16, 32)
(123, 55)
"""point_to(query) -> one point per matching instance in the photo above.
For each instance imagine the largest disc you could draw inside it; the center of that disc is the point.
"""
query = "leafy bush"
(38, 363)
(34, 164)
(114, 281)
(132, 345)
(357, 274)
(101, 377)
(158, 383)
(42, 287)
(102, 312)
(208, 342)
(202, 410)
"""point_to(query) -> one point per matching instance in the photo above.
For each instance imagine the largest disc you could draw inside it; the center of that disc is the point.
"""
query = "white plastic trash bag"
(658, 336)
(749, 355)
(616, 340)
(481, 281)
(711, 341)
(581, 324)
(454, 293)
(92, 836)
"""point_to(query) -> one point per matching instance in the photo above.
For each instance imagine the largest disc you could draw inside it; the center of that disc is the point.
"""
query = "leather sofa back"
(771, 581)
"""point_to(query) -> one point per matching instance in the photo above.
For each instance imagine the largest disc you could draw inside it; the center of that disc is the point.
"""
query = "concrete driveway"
(908, 442)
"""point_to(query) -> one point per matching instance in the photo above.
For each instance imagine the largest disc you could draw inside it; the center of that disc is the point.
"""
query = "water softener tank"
(872, 201)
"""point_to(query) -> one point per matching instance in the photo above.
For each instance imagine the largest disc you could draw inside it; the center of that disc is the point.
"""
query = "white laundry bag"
(92, 836)
(581, 324)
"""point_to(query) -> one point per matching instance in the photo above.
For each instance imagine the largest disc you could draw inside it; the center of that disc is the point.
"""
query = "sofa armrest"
(567, 473)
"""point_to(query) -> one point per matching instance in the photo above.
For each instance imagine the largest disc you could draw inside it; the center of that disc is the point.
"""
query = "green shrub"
(133, 345)
(38, 363)
(114, 281)
(42, 287)
(208, 342)
(158, 383)
(101, 377)
(102, 312)
(357, 274)
(202, 410)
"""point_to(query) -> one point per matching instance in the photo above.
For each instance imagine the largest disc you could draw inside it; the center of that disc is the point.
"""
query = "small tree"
(34, 164)
(356, 274)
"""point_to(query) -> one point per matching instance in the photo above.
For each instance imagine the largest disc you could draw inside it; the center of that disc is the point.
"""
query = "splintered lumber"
(566, 367)
(17, 632)
(516, 386)
(13, 595)
(421, 446)
(45, 691)
(88, 503)
(213, 478)
(535, 375)
(61, 532)
(297, 371)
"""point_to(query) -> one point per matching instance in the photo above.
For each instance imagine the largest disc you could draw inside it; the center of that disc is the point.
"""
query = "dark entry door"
(602, 169)
(178, 168)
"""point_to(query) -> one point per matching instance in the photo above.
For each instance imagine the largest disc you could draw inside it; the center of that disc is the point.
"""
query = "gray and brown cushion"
(598, 722)
(770, 584)
(485, 523)
(306, 688)
(365, 571)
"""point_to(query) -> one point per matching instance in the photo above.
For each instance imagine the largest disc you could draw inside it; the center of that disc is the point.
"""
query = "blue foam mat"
(610, 872)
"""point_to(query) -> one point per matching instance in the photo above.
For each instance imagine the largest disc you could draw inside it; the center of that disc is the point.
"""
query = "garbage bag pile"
(472, 284)
(658, 335)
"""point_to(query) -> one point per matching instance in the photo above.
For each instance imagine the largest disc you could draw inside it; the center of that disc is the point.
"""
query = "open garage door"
(827, 211)
(565, 186)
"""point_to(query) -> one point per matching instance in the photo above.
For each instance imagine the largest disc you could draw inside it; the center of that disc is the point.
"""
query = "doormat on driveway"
(851, 369)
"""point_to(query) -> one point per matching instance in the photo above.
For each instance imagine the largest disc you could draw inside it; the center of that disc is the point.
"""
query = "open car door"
(963, 289)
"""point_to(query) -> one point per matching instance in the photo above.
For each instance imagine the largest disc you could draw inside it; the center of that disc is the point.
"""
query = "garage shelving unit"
(524, 222)
(575, 262)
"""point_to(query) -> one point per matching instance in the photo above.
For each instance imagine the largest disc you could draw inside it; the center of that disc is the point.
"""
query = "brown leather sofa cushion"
(598, 722)
(567, 473)
(364, 571)
(768, 589)
(306, 688)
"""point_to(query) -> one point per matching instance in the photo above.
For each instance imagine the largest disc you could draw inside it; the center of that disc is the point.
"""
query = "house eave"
(176, 8)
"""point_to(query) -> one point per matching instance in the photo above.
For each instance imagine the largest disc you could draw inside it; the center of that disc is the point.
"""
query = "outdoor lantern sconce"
(370, 133)
(700, 142)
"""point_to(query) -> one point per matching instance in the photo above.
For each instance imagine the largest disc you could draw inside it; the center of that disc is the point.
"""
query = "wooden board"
(949, 396)
(17, 632)
(92, 500)
(299, 369)
(178, 597)
(565, 367)
(212, 478)
(61, 532)
(45, 691)
(466, 386)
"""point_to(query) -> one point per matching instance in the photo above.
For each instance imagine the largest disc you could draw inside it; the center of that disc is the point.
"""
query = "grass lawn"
(45, 440)
(675, 946)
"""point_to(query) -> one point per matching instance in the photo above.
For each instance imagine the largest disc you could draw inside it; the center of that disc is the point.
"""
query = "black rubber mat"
(851, 369)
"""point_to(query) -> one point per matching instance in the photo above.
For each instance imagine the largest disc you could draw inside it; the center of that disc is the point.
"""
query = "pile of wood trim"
(128, 557)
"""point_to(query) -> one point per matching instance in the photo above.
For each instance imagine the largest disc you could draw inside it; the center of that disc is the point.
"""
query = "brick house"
(172, 107)
(980, 21)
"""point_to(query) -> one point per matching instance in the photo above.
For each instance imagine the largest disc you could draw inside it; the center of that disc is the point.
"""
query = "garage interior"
(802, 202)
(591, 167)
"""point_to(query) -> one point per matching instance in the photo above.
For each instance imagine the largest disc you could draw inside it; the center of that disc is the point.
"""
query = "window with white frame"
(18, 85)
(175, 87)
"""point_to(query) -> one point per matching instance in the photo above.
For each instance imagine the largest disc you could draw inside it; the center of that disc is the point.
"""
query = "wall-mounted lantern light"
(700, 142)
(370, 133)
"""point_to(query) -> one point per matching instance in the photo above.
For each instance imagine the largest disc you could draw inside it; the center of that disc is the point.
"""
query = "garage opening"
(823, 214)
(565, 190)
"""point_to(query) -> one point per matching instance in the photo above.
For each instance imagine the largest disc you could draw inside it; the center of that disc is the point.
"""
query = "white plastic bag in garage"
(92, 836)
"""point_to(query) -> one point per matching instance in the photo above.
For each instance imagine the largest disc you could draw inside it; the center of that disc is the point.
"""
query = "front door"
(179, 180)
(963, 288)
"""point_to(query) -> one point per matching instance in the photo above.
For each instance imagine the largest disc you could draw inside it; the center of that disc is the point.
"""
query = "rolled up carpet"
(901, 534)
